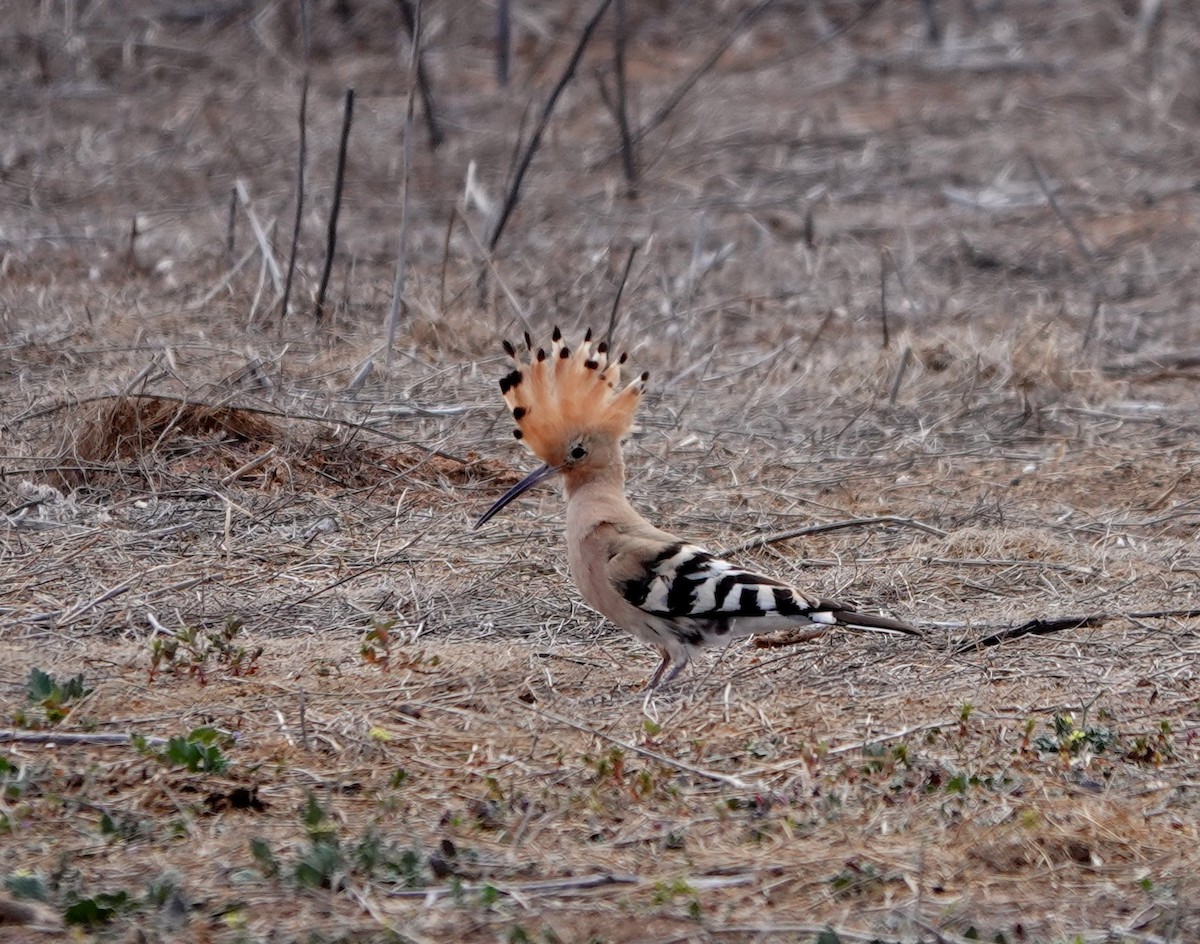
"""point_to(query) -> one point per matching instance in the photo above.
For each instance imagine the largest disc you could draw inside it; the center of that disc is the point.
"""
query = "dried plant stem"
(775, 538)
(615, 314)
(231, 226)
(446, 259)
(886, 339)
(681, 90)
(335, 210)
(535, 139)
(398, 286)
(621, 105)
(250, 466)
(747, 19)
(488, 261)
(1064, 218)
(735, 782)
(503, 41)
(73, 737)
(411, 14)
(301, 160)
(905, 360)
(264, 241)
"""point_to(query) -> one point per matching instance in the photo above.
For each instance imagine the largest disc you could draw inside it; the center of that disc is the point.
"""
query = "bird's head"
(570, 410)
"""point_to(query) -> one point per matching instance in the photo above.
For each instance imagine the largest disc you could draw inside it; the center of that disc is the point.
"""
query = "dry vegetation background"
(226, 523)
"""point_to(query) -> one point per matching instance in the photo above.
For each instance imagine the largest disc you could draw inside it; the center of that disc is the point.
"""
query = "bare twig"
(1046, 627)
(491, 265)
(548, 887)
(335, 210)
(231, 226)
(250, 466)
(75, 737)
(1034, 627)
(621, 106)
(535, 139)
(411, 14)
(1065, 218)
(731, 781)
(883, 319)
(933, 29)
(616, 305)
(745, 21)
(764, 540)
(446, 259)
(264, 241)
(503, 41)
(393, 319)
(905, 360)
(301, 158)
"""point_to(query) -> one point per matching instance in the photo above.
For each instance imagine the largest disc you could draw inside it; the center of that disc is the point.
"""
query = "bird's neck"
(598, 495)
(608, 481)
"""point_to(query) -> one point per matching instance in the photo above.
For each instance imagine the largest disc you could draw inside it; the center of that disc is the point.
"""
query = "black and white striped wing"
(685, 582)
(688, 585)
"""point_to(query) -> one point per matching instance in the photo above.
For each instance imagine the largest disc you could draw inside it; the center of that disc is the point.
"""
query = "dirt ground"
(925, 272)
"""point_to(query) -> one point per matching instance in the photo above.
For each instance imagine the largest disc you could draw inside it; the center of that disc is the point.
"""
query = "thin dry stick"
(231, 226)
(393, 319)
(335, 210)
(535, 139)
(747, 19)
(547, 887)
(734, 782)
(621, 108)
(883, 299)
(764, 540)
(905, 360)
(503, 42)
(681, 90)
(933, 29)
(250, 466)
(412, 23)
(616, 306)
(301, 157)
(264, 241)
(446, 259)
(491, 265)
(1063, 217)
(65, 737)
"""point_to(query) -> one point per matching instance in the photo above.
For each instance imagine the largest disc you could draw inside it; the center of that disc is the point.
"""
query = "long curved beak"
(520, 488)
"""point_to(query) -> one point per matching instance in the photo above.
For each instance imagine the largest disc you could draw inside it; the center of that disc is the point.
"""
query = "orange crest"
(560, 394)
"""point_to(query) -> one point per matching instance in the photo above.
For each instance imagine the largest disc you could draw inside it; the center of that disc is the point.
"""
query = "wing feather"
(685, 584)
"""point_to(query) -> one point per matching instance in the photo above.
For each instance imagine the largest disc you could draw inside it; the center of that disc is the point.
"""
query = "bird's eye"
(578, 452)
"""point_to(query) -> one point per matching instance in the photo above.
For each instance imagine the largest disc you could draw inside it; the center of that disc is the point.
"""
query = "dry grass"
(224, 523)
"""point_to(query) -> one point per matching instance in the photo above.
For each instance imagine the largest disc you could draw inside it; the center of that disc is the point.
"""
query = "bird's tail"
(871, 622)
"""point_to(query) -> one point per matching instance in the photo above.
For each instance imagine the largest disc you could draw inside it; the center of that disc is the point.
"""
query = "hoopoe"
(572, 413)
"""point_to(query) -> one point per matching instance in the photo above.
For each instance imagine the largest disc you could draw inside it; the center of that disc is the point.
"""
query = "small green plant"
(665, 892)
(194, 653)
(197, 752)
(1070, 740)
(52, 697)
(26, 886)
(97, 911)
(328, 861)
(1153, 749)
(855, 879)
(264, 858)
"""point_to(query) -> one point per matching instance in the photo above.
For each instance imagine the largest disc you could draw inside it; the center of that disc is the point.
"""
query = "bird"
(572, 411)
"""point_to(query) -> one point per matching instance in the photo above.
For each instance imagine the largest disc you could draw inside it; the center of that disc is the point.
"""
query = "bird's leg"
(674, 673)
(662, 667)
